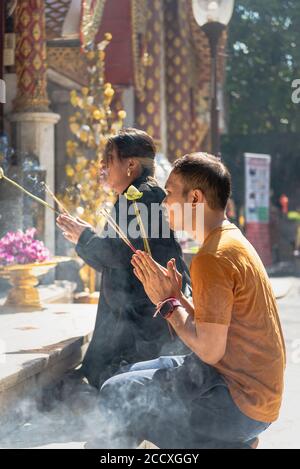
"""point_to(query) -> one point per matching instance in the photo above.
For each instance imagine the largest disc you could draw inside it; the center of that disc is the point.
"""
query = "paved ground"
(285, 434)
(72, 425)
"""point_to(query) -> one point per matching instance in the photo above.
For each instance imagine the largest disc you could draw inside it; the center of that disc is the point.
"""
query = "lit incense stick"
(60, 205)
(117, 229)
(37, 199)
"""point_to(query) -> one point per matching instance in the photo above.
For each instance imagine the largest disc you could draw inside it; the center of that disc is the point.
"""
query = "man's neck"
(212, 220)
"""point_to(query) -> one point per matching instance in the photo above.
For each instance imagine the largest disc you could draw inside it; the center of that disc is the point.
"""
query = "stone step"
(36, 349)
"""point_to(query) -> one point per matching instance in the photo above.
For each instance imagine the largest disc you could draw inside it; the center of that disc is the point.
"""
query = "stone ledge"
(37, 349)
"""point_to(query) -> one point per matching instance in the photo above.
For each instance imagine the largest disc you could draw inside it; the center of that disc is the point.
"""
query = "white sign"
(257, 177)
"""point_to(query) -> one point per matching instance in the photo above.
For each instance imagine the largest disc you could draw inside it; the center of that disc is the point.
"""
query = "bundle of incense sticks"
(37, 199)
(117, 229)
(59, 204)
(142, 228)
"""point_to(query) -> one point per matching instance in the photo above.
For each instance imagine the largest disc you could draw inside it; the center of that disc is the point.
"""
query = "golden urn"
(24, 280)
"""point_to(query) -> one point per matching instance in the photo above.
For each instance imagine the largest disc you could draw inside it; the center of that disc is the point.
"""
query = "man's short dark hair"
(208, 174)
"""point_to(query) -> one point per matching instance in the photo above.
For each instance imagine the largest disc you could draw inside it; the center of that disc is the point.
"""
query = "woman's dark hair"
(130, 143)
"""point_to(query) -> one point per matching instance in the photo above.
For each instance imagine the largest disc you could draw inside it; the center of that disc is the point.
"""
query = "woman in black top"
(125, 331)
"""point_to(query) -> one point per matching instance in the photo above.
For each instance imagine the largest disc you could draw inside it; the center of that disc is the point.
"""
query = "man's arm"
(207, 341)
(187, 304)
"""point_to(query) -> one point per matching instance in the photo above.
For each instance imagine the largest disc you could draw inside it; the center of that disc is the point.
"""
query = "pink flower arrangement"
(22, 248)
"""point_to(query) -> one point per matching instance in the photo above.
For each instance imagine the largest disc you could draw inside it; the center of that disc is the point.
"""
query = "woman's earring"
(128, 172)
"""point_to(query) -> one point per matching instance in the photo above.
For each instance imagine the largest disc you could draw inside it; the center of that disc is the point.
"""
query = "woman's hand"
(159, 283)
(72, 227)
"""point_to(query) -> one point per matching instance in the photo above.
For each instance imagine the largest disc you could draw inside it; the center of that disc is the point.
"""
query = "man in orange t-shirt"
(229, 388)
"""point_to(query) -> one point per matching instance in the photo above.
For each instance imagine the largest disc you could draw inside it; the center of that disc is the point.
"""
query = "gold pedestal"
(24, 279)
(23, 291)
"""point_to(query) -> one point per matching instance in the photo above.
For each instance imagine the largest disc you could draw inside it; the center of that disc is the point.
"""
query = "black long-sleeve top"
(125, 330)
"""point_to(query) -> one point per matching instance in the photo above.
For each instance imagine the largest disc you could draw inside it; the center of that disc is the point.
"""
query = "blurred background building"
(158, 62)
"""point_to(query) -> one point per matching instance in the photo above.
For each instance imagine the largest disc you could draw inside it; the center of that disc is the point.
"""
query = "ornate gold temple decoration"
(68, 61)
(148, 98)
(187, 80)
(24, 280)
(56, 11)
(92, 12)
(117, 104)
(140, 11)
(31, 57)
(91, 124)
(93, 121)
(179, 95)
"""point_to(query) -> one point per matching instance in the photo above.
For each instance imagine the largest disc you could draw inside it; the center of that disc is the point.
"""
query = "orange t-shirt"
(231, 287)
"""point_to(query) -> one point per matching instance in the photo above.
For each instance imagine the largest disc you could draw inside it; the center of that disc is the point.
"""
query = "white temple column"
(34, 133)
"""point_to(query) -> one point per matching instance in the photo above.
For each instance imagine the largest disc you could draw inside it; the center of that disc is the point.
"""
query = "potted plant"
(23, 258)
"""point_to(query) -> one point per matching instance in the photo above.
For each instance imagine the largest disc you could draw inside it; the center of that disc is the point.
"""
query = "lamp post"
(213, 18)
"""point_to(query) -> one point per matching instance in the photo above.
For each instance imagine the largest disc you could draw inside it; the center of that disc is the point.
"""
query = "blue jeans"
(175, 402)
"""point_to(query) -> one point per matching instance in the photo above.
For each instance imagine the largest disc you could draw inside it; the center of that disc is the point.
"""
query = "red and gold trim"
(148, 98)
(31, 63)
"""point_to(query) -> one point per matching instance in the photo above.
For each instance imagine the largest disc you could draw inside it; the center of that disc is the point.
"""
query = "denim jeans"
(175, 402)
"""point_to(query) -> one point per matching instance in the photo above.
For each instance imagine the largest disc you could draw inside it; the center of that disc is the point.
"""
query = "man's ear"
(196, 197)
